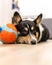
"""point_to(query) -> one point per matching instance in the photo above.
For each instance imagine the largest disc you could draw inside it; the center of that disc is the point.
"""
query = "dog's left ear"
(16, 18)
(38, 19)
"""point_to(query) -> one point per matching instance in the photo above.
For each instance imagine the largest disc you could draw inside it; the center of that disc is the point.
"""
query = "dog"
(31, 32)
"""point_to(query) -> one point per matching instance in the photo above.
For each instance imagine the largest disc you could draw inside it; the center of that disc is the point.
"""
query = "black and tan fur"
(31, 32)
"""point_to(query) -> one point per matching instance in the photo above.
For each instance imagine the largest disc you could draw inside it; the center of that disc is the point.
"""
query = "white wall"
(0, 11)
(35, 7)
(5, 11)
(27, 7)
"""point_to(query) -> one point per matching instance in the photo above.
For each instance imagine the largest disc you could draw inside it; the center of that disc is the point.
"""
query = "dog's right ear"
(38, 19)
(16, 19)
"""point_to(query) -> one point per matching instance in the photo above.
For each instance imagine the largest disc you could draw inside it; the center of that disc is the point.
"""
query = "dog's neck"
(41, 30)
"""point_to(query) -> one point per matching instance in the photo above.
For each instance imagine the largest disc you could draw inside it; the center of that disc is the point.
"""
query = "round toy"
(8, 33)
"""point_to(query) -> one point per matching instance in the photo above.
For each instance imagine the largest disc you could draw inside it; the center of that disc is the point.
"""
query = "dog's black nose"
(33, 42)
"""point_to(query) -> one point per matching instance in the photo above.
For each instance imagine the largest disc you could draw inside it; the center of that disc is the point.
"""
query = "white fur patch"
(41, 30)
(33, 37)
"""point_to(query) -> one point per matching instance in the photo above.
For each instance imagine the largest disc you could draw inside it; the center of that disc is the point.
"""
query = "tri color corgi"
(31, 32)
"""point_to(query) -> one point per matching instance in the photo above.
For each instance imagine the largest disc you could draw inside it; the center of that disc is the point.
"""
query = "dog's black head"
(29, 30)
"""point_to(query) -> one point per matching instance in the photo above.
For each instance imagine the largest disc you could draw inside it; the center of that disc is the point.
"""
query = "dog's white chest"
(41, 30)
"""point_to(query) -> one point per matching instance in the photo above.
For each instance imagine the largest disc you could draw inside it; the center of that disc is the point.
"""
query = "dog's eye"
(24, 31)
(34, 32)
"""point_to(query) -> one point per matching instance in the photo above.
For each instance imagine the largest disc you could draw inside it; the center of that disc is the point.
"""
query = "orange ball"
(7, 37)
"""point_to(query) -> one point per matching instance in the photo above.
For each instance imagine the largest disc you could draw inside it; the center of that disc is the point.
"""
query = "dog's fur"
(31, 32)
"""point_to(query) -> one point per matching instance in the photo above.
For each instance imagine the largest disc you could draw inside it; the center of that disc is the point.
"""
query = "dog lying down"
(31, 32)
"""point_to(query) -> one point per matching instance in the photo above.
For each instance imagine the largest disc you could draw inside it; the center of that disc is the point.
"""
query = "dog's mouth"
(32, 42)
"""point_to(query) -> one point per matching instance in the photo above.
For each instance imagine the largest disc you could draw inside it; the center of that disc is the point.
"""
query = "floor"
(24, 54)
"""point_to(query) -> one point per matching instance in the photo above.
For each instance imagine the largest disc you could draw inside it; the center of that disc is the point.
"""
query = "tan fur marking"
(25, 39)
(37, 35)
(38, 20)
(32, 28)
(26, 28)
(16, 20)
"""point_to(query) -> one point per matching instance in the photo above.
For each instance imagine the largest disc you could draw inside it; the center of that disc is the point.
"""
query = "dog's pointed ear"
(38, 19)
(16, 18)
